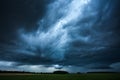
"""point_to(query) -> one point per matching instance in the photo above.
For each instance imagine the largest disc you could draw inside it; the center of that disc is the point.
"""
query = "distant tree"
(60, 72)
(78, 72)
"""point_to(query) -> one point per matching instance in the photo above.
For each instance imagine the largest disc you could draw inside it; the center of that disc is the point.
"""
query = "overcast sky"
(72, 35)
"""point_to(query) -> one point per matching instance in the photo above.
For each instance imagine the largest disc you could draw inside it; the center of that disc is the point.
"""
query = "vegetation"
(90, 76)
(60, 72)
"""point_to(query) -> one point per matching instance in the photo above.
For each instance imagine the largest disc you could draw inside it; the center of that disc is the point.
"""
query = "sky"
(70, 35)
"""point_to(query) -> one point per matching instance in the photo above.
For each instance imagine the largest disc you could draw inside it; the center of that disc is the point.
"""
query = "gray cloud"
(80, 33)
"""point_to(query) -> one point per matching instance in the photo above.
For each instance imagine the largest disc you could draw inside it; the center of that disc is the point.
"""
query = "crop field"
(91, 76)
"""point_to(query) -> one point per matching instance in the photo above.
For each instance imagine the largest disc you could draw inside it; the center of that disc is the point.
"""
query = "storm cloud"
(41, 34)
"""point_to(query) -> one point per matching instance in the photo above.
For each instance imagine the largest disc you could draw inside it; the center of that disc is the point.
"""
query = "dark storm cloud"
(21, 13)
(80, 33)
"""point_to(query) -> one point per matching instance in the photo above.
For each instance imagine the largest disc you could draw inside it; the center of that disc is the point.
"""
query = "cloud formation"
(61, 34)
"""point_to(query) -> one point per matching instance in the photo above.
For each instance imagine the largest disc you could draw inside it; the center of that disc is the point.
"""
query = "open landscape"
(59, 39)
(87, 76)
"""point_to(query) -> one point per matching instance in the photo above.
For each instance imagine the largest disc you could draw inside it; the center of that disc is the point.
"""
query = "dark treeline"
(103, 72)
(22, 72)
(1, 71)
(55, 72)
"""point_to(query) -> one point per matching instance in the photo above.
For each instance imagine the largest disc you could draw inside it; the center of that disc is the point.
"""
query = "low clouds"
(116, 66)
(60, 34)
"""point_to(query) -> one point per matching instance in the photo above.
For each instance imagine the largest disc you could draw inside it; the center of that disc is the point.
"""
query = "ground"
(90, 76)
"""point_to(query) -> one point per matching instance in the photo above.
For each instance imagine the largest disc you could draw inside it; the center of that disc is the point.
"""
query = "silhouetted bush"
(60, 72)
(79, 73)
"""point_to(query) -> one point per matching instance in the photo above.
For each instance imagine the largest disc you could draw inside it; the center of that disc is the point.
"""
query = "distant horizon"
(8, 71)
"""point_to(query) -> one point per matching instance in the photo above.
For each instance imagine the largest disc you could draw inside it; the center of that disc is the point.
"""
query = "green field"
(93, 76)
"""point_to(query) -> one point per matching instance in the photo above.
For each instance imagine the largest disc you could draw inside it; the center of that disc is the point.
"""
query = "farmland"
(90, 76)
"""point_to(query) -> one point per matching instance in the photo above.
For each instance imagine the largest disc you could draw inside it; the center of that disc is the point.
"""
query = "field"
(92, 76)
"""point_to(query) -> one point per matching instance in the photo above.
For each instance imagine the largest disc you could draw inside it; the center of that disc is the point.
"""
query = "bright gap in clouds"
(13, 66)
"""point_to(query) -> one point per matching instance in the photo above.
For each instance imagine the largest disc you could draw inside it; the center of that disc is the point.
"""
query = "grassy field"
(93, 76)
